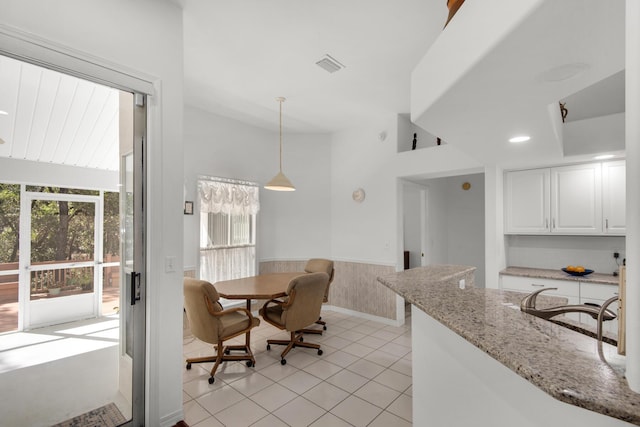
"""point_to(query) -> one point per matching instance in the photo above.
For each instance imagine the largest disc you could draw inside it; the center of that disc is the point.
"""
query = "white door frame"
(35, 50)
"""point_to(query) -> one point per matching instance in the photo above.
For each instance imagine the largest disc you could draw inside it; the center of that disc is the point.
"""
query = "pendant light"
(280, 182)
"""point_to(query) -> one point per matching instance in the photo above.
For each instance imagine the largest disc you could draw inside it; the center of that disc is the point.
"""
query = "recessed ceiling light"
(521, 138)
(604, 156)
(3, 113)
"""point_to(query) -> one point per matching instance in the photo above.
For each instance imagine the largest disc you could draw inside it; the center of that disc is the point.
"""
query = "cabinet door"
(576, 199)
(527, 201)
(569, 289)
(596, 293)
(614, 197)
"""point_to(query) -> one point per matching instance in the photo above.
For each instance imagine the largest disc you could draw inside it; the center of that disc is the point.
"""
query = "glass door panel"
(111, 254)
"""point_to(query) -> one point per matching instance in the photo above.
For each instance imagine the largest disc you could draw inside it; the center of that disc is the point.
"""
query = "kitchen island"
(479, 360)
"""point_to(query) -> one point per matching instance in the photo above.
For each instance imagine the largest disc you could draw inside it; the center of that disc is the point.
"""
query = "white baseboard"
(172, 419)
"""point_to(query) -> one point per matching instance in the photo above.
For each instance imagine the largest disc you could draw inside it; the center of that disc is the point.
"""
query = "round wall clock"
(358, 195)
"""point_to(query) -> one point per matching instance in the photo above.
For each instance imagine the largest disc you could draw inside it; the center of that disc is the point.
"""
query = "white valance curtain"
(228, 198)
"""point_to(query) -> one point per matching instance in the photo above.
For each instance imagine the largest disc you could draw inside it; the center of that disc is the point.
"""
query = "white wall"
(369, 231)
(143, 38)
(364, 232)
(292, 225)
(465, 214)
(456, 223)
(555, 252)
(413, 201)
(437, 224)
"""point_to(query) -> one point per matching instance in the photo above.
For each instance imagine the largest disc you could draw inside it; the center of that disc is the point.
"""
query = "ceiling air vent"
(329, 64)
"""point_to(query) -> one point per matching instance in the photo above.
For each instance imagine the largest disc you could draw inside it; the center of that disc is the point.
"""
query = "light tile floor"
(363, 378)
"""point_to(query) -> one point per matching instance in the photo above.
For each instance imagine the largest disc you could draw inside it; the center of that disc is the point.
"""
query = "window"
(228, 211)
(219, 230)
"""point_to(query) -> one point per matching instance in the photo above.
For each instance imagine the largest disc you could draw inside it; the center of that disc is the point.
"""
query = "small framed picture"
(188, 208)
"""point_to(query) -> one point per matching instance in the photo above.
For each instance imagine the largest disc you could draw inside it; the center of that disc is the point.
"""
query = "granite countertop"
(541, 273)
(563, 363)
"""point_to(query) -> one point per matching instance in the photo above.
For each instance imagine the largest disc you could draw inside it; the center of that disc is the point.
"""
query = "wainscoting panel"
(355, 286)
(281, 266)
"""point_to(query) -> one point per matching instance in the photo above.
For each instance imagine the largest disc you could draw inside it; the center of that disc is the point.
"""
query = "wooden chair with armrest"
(213, 325)
(316, 265)
(300, 308)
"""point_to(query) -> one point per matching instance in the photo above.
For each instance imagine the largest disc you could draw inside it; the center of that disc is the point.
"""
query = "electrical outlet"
(616, 255)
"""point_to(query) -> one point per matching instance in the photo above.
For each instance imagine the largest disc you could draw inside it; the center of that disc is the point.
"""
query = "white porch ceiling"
(55, 118)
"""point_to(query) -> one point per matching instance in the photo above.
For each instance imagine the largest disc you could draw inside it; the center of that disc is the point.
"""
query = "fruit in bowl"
(576, 270)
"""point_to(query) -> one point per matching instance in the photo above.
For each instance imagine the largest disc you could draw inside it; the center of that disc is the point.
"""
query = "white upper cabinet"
(614, 197)
(527, 201)
(582, 199)
(576, 199)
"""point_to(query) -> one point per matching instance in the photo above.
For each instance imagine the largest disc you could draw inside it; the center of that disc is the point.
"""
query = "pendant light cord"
(280, 100)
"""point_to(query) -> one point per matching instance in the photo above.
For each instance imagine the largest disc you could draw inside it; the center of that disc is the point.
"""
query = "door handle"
(135, 284)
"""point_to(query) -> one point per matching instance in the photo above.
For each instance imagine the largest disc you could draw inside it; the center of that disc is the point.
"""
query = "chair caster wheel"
(301, 339)
(283, 362)
(227, 351)
(211, 380)
(268, 347)
(324, 328)
(250, 364)
(188, 366)
(319, 352)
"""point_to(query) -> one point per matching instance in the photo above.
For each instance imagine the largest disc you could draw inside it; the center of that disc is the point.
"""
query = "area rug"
(105, 416)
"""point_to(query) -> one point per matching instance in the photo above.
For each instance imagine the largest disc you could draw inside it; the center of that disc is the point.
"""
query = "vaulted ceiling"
(239, 56)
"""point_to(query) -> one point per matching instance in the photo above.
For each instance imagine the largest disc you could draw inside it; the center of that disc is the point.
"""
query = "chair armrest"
(283, 304)
(227, 311)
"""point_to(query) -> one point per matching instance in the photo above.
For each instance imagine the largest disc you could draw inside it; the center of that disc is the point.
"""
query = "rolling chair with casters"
(213, 325)
(316, 265)
(300, 308)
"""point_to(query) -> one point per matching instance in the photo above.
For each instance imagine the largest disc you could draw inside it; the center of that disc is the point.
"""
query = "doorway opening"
(63, 228)
(443, 221)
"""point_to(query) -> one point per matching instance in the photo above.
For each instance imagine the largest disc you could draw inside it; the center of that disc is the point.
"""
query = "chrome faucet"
(528, 305)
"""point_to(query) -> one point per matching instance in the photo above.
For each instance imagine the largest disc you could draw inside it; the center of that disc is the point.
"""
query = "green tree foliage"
(60, 230)
(9, 222)
(111, 223)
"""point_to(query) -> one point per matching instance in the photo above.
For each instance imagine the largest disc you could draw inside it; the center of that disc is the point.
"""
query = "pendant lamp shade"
(280, 182)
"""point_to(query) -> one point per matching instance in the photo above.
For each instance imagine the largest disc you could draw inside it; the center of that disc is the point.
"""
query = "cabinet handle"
(606, 224)
(546, 223)
(537, 286)
(554, 223)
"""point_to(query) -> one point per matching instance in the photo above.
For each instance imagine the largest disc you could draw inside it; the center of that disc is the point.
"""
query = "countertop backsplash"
(554, 252)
